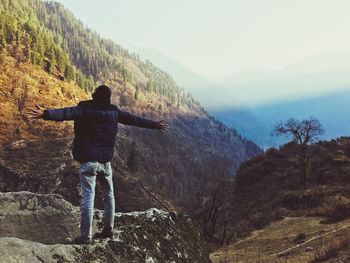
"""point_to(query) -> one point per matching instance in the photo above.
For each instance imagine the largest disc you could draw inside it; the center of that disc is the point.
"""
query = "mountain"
(249, 123)
(315, 86)
(282, 87)
(214, 97)
(268, 204)
(275, 176)
(50, 58)
(209, 94)
(184, 77)
(333, 66)
(331, 109)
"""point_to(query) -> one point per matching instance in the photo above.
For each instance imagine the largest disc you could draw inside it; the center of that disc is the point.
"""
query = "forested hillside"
(49, 36)
(50, 58)
(271, 186)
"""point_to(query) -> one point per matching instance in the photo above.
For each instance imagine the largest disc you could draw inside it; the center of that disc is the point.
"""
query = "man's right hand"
(35, 113)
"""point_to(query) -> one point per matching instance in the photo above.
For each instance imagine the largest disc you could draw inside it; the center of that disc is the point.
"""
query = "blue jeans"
(89, 171)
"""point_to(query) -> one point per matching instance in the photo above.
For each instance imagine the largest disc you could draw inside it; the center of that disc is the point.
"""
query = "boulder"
(38, 227)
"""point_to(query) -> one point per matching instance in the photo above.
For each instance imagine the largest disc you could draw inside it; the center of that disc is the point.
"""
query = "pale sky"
(221, 37)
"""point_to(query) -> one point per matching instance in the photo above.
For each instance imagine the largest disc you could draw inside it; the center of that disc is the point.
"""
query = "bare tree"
(210, 211)
(303, 132)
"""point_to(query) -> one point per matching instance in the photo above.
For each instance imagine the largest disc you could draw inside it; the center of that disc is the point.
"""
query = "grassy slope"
(269, 188)
(35, 155)
(294, 240)
(23, 85)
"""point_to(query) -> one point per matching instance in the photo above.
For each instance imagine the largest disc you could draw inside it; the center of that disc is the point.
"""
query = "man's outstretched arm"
(133, 120)
(62, 114)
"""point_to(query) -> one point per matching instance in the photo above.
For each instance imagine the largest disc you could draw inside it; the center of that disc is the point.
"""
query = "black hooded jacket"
(95, 128)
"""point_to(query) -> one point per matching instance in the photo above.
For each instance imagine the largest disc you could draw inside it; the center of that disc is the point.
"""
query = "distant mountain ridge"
(213, 96)
(317, 85)
(203, 89)
(330, 108)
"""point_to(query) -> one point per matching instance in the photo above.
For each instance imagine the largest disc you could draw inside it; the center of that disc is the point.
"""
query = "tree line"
(34, 43)
(102, 58)
(50, 37)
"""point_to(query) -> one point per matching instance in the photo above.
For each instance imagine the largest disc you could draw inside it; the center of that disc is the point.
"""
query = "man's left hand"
(162, 126)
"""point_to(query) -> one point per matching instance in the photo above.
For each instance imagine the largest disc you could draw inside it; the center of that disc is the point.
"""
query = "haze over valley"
(254, 100)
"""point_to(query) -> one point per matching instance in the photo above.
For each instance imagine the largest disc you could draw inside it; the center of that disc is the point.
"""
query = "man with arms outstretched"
(95, 129)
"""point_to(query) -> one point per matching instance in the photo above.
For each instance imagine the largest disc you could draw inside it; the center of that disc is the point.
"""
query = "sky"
(222, 37)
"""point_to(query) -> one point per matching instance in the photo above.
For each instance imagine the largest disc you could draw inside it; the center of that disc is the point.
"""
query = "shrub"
(338, 212)
(299, 238)
(331, 249)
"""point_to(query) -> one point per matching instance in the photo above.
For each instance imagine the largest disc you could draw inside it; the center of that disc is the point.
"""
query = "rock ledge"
(35, 228)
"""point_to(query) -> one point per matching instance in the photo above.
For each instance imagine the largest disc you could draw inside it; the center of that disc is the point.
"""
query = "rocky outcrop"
(38, 227)
(41, 218)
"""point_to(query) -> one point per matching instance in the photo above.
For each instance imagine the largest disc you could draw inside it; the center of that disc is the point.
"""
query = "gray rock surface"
(36, 228)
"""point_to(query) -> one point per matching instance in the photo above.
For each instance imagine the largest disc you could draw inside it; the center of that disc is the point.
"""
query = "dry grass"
(332, 248)
(24, 85)
(276, 243)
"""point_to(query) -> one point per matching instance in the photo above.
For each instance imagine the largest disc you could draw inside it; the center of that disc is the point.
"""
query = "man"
(95, 129)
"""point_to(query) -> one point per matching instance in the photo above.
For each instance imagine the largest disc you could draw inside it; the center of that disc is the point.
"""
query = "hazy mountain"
(247, 123)
(212, 96)
(316, 75)
(331, 109)
(319, 62)
(317, 85)
(184, 77)
(206, 91)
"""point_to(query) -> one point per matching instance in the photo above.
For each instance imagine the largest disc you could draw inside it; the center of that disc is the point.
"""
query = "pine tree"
(132, 159)
(79, 79)
(136, 92)
(2, 41)
(124, 72)
(19, 37)
(149, 85)
(69, 73)
(62, 60)
(91, 83)
(27, 47)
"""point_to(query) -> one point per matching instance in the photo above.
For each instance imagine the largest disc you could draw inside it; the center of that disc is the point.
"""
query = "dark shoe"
(81, 241)
(105, 233)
